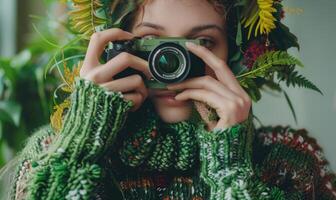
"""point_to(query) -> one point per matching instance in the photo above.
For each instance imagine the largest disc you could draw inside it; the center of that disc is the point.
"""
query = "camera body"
(168, 58)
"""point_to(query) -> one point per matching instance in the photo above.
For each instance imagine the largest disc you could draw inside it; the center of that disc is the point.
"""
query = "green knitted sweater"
(103, 151)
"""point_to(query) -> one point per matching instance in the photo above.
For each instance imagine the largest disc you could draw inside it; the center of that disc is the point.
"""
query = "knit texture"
(103, 151)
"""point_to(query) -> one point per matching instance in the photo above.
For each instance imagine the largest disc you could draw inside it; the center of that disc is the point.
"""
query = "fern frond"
(264, 68)
(289, 102)
(84, 17)
(272, 58)
(268, 63)
(296, 79)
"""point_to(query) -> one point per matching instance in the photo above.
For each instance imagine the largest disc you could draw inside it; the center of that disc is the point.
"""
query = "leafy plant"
(26, 88)
(264, 68)
(87, 14)
(263, 74)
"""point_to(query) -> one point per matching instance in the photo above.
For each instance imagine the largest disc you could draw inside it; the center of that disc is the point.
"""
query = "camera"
(168, 58)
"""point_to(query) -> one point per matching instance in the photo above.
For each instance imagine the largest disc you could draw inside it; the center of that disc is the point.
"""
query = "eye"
(207, 42)
(149, 36)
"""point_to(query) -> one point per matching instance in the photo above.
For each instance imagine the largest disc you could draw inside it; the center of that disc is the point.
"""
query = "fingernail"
(190, 44)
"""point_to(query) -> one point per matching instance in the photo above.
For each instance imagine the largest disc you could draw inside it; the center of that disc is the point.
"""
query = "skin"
(192, 19)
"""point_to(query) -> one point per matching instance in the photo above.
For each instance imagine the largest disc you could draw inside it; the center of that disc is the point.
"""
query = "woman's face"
(192, 19)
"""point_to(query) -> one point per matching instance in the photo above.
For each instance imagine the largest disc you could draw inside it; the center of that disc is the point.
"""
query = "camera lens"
(168, 62)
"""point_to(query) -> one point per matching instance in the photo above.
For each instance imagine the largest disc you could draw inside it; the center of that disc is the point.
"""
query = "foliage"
(262, 73)
(26, 91)
(24, 100)
(86, 15)
(67, 87)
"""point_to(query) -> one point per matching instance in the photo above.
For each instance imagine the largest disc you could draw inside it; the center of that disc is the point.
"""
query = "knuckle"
(138, 98)
(220, 63)
(240, 102)
(117, 31)
(208, 78)
(234, 106)
(95, 36)
(138, 79)
(82, 72)
(93, 77)
(248, 101)
(141, 97)
(125, 56)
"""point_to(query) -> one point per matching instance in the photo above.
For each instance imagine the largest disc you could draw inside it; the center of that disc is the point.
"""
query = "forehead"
(180, 13)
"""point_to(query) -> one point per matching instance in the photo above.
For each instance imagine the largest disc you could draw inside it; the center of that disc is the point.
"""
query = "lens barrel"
(169, 62)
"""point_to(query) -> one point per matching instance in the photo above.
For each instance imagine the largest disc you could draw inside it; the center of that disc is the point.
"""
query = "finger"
(124, 60)
(204, 82)
(117, 64)
(212, 99)
(127, 84)
(136, 98)
(98, 42)
(219, 66)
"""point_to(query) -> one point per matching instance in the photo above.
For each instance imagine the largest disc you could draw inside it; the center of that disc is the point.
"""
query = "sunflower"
(259, 16)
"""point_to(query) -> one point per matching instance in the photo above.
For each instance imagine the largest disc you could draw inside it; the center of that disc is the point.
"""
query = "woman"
(122, 140)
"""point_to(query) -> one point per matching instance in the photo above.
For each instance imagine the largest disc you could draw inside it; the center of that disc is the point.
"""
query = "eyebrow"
(192, 31)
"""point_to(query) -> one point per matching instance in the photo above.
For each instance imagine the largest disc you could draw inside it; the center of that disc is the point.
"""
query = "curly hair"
(221, 6)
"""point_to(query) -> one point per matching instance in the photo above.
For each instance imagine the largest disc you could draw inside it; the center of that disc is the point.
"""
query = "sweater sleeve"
(226, 164)
(294, 161)
(70, 168)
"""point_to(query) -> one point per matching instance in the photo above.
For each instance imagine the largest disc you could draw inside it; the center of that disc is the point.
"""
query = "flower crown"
(258, 43)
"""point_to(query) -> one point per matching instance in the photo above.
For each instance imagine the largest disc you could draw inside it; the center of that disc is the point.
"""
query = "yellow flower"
(260, 17)
(56, 117)
(70, 77)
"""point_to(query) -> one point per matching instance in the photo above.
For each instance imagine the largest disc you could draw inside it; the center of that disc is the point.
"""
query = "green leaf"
(21, 59)
(10, 112)
(239, 37)
(264, 68)
(252, 89)
(236, 57)
(241, 2)
(283, 38)
(236, 65)
(1, 127)
(2, 84)
(295, 79)
(8, 71)
(273, 86)
(290, 105)
(269, 63)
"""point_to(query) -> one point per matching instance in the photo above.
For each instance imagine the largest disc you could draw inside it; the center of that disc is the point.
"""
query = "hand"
(223, 93)
(102, 74)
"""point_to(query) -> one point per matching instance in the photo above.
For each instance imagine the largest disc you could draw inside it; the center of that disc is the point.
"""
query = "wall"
(7, 27)
(314, 23)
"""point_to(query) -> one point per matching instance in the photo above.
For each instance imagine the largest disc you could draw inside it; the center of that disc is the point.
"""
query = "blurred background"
(33, 32)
